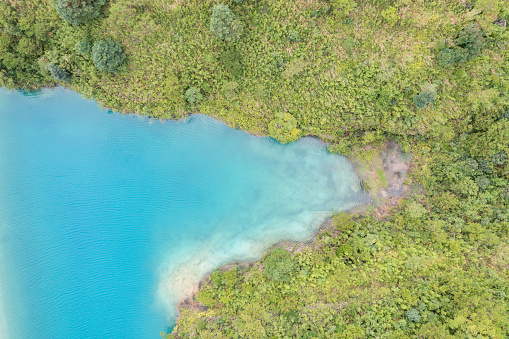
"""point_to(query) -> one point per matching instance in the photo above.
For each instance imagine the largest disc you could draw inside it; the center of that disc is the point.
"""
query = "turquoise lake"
(107, 220)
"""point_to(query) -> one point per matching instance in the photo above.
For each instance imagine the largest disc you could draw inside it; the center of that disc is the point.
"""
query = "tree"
(83, 47)
(284, 128)
(107, 55)
(77, 12)
(422, 99)
(193, 95)
(471, 42)
(58, 73)
(446, 58)
(279, 264)
(224, 24)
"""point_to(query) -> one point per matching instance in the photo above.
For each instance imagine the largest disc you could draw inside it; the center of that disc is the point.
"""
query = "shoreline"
(395, 166)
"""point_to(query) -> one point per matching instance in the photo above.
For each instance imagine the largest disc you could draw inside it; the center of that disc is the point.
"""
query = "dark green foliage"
(77, 12)
(193, 95)
(83, 47)
(471, 42)
(238, 1)
(58, 73)
(446, 58)
(279, 264)
(422, 99)
(224, 24)
(231, 59)
(107, 55)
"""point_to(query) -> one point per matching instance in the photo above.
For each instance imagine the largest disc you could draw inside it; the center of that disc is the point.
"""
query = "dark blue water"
(108, 220)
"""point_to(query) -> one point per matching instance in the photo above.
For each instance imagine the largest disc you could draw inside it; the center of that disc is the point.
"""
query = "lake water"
(108, 220)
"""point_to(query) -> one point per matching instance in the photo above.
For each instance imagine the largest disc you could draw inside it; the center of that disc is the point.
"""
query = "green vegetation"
(437, 268)
(224, 24)
(107, 55)
(430, 75)
(77, 12)
(59, 73)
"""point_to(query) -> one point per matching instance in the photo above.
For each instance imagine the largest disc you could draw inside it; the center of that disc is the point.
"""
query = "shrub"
(505, 115)
(77, 12)
(413, 315)
(483, 182)
(83, 47)
(58, 73)
(499, 158)
(193, 95)
(422, 99)
(446, 58)
(279, 264)
(293, 35)
(390, 15)
(107, 55)
(284, 128)
(224, 24)
(231, 59)
(471, 41)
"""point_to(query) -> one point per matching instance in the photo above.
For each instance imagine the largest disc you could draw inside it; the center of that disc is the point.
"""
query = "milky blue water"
(108, 220)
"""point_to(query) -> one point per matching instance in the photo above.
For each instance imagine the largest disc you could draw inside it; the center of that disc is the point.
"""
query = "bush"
(77, 12)
(499, 158)
(505, 115)
(107, 55)
(224, 24)
(279, 264)
(58, 73)
(471, 42)
(446, 58)
(193, 95)
(83, 47)
(483, 182)
(231, 59)
(422, 99)
(284, 128)
(413, 315)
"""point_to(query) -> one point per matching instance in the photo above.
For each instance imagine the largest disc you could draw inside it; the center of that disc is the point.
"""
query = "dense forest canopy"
(431, 75)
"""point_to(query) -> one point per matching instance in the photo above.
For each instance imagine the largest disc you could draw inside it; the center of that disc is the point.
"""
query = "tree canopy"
(77, 12)
(107, 55)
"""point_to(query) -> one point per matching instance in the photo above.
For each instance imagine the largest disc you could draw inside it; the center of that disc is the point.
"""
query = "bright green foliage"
(390, 15)
(343, 7)
(284, 128)
(107, 55)
(224, 24)
(279, 265)
(446, 58)
(193, 95)
(422, 99)
(83, 47)
(77, 12)
(58, 73)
